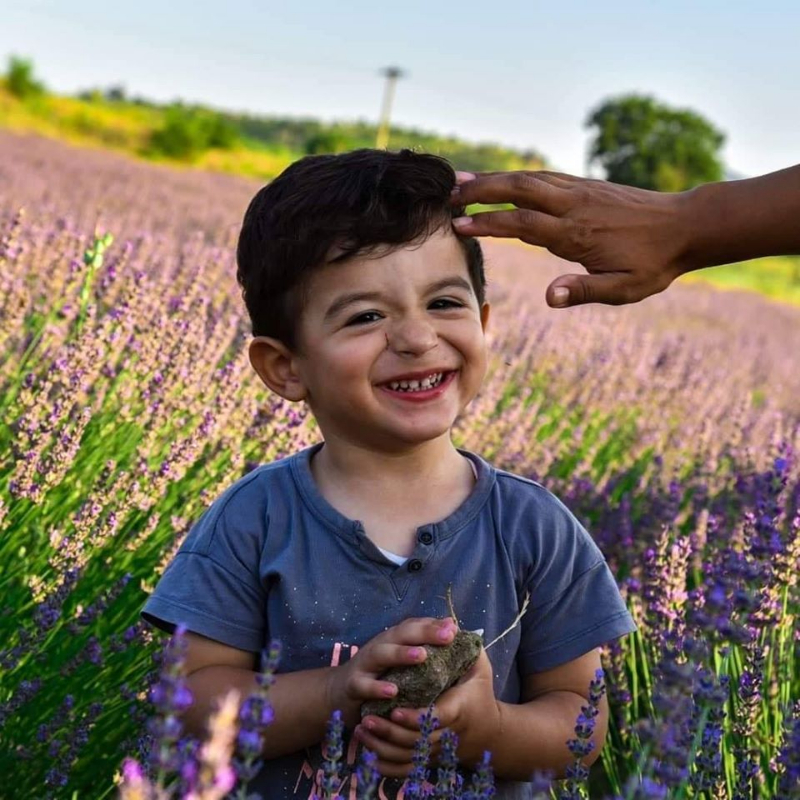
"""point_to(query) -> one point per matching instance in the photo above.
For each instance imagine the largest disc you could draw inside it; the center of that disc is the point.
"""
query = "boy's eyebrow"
(452, 281)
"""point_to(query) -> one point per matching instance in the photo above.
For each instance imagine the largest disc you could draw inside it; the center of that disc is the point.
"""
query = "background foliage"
(641, 142)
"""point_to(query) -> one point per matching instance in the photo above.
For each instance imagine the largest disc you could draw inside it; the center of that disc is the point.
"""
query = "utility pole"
(391, 74)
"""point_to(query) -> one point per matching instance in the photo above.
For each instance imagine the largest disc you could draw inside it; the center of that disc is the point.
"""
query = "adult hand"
(469, 709)
(632, 242)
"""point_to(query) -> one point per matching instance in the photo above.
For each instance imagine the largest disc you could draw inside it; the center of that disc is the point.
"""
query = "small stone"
(418, 685)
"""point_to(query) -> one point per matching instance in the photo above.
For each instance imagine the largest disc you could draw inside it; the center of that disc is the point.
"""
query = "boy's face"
(351, 351)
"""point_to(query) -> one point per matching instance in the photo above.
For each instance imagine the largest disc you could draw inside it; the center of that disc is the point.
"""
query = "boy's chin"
(398, 438)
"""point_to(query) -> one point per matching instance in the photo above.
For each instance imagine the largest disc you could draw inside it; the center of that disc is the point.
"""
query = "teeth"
(416, 386)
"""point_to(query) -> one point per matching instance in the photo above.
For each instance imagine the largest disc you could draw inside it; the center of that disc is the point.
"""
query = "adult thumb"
(612, 288)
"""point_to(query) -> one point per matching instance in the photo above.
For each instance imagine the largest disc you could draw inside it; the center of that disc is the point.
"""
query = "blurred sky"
(521, 72)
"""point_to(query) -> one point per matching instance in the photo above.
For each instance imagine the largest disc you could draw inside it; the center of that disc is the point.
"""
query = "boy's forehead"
(436, 256)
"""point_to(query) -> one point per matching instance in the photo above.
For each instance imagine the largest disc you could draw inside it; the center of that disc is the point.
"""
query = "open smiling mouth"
(419, 393)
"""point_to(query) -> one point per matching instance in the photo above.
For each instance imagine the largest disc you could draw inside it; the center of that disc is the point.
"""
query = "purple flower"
(583, 745)
(367, 775)
(789, 759)
(333, 751)
(645, 789)
(255, 715)
(417, 780)
(448, 780)
(481, 786)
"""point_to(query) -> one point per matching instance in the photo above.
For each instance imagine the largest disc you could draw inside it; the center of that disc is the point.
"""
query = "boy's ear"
(274, 364)
(485, 308)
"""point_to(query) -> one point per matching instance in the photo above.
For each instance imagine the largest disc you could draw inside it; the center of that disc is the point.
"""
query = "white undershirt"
(402, 559)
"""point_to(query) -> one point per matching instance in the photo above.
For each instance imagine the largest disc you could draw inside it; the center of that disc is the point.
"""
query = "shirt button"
(426, 537)
(415, 565)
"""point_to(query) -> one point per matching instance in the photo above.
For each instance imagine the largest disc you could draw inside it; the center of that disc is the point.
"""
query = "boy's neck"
(433, 466)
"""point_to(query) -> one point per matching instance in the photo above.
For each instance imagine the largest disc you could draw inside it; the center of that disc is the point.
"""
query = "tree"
(640, 142)
(187, 132)
(116, 93)
(20, 80)
(326, 141)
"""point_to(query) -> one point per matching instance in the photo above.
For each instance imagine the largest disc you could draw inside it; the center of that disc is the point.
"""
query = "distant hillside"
(206, 138)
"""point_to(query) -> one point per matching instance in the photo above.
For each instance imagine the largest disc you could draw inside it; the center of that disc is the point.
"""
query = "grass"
(777, 277)
(125, 128)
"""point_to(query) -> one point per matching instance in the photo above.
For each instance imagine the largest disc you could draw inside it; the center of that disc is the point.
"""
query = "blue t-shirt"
(271, 558)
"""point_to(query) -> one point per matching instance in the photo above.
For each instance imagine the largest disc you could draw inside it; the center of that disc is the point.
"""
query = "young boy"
(366, 306)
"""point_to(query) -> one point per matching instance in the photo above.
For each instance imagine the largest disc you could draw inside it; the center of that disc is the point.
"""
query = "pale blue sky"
(521, 72)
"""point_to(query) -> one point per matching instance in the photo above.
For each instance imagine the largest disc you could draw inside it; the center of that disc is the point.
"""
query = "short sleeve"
(575, 603)
(212, 584)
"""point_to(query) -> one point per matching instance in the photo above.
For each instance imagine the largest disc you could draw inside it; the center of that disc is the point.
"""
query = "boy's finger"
(532, 227)
(388, 731)
(382, 657)
(409, 718)
(403, 645)
(387, 751)
(524, 189)
(428, 630)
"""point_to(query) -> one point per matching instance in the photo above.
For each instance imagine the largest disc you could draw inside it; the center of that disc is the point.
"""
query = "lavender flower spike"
(333, 755)
(418, 786)
(217, 777)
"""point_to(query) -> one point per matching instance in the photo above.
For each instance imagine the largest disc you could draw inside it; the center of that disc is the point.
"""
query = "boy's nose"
(412, 336)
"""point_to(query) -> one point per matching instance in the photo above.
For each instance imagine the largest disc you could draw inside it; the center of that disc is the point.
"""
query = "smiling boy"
(368, 308)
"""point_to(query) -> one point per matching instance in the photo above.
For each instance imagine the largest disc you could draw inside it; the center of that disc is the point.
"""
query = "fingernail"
(463, 177)
(415, 653)
(560, 296)
(369, 725)
(462, 222)
(390, 690)
(445, 634)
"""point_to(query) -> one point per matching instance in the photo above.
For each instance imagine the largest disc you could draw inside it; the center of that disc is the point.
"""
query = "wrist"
(693, 233)
(336, 698)
(488, 734)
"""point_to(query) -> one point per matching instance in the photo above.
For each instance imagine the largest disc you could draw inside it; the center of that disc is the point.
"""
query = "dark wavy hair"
(356, 201)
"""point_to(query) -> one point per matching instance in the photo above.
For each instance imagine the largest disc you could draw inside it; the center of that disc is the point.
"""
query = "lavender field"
(670, 428)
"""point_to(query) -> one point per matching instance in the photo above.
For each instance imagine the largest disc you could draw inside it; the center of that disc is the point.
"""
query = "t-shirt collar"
(300, 463)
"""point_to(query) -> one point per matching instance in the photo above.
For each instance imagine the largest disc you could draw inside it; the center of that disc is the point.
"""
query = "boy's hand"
(469, 709)
(357, 681)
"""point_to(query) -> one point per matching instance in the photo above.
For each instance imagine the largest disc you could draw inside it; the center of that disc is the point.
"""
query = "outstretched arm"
(634, 242)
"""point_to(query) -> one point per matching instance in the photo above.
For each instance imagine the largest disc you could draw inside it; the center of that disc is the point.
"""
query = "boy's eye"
(454, 303)
(362, 319)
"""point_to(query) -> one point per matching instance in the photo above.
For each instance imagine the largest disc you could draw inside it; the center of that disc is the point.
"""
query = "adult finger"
(463, 177)
(533, 227)
(543, 174)
(563, 177)
(612, 288)
(523, 189)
